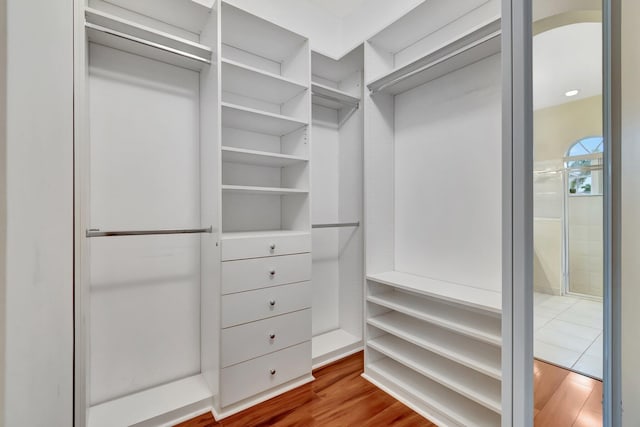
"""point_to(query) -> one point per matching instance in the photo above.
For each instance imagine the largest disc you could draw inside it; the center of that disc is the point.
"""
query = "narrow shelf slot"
(235, 116)
(472, 385)
(245, 189)
(258, 158)
(254, 83)
(466, 322)
(112, 31)
(473, 354)
(448, 403)
(333, 98)
(481, 299)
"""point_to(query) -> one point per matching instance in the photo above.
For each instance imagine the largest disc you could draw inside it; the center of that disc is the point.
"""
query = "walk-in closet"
(283, 212)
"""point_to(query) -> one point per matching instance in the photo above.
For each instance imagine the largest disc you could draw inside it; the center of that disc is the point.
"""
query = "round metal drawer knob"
(272, 246)
(272, 372)
(272, 302)
(272, 273)
(272, 336)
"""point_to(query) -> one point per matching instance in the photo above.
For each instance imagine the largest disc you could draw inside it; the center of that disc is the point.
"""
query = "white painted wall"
(630, 213)
(3, 196)
(39, 276)
(448, 197)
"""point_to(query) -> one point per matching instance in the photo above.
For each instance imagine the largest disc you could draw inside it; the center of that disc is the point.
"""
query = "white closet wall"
(337, 177)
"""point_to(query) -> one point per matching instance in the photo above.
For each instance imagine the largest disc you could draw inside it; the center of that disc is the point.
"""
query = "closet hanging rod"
(147, 43)
(336, 99)
(95, 232)
(337, 225)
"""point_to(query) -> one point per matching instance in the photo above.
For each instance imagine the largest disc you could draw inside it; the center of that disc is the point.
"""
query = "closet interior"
(252, 209)
(337, 175)
(432, 213)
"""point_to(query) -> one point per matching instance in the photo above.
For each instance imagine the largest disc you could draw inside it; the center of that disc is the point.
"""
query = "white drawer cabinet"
(255, 339)
(257, 375)
(257, 273)
(249, 306)
(249, 246)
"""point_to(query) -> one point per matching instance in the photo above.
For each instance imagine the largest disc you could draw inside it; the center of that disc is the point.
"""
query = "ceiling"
(339, 8)
(564, 59)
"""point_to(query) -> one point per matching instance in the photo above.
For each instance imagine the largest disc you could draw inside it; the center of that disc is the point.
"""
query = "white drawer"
(255, 376)
(255, 339)
(249, 306)
(257, 273)
(248, 245)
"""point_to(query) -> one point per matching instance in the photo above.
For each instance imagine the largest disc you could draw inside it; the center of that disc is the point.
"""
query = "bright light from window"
(573, 92)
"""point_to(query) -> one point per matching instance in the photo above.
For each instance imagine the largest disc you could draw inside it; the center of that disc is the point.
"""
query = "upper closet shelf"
(275, 191)
(333, 98)
(238, 117)
(254, 83)
(258, 158)
(112, 31)
(472, 47)
(485, 300)
(249, 33)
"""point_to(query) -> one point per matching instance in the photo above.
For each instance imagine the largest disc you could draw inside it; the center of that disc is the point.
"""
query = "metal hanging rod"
(353, 104)
(95, 232)
(148, 43)
(337, 225)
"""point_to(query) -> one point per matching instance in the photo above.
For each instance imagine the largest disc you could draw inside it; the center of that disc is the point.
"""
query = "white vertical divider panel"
(210, 169)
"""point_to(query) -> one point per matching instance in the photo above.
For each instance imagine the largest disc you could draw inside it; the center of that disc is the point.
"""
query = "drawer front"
(255, 339)
(250, 274)
(256, 247)
(249, 306)
(255, 376)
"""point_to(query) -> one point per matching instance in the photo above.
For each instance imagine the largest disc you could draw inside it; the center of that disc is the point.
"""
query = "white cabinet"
(265, 265)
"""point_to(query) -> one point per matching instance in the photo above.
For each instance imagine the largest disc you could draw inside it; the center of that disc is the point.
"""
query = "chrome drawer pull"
(272, 336)
(272, 246)
(273, 372)
(272, 272)
(272, 302)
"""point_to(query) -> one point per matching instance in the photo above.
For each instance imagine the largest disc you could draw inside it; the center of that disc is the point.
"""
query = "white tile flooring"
(567, 331)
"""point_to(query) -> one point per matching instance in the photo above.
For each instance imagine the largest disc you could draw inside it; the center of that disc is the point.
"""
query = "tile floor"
(567, 332)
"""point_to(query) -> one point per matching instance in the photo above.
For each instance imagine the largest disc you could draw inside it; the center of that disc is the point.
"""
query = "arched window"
(584, 166)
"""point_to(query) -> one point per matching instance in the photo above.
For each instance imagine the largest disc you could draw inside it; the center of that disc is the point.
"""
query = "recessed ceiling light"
(573, 92)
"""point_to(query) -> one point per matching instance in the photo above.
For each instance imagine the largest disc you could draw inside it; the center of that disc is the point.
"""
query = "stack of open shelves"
(449, 334)
(265, 114)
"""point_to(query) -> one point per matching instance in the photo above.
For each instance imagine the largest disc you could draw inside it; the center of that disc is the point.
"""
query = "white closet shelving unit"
(265, 150)
(337, 206)
(432, 291)
(145, 74)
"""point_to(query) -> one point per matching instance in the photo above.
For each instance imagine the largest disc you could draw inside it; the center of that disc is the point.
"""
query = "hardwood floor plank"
(546, 380)
(567, 401)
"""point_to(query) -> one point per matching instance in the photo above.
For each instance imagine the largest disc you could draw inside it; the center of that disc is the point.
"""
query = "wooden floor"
(340, 397)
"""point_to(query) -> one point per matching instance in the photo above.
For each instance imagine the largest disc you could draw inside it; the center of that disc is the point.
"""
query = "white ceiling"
(339, 8)
(567, 58)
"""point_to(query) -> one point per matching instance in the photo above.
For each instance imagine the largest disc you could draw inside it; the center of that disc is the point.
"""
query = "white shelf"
(472, 47)
(472, 385)
(470, 323)
(447, 403)
(258, 234)
(264, 38)
(245, 189)
(162, 404)
(473, 354)
(238, 117)
(112, 31)
(258, 158)
(332, 345)
(254, 83)
(468, 296)
(332, 98)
